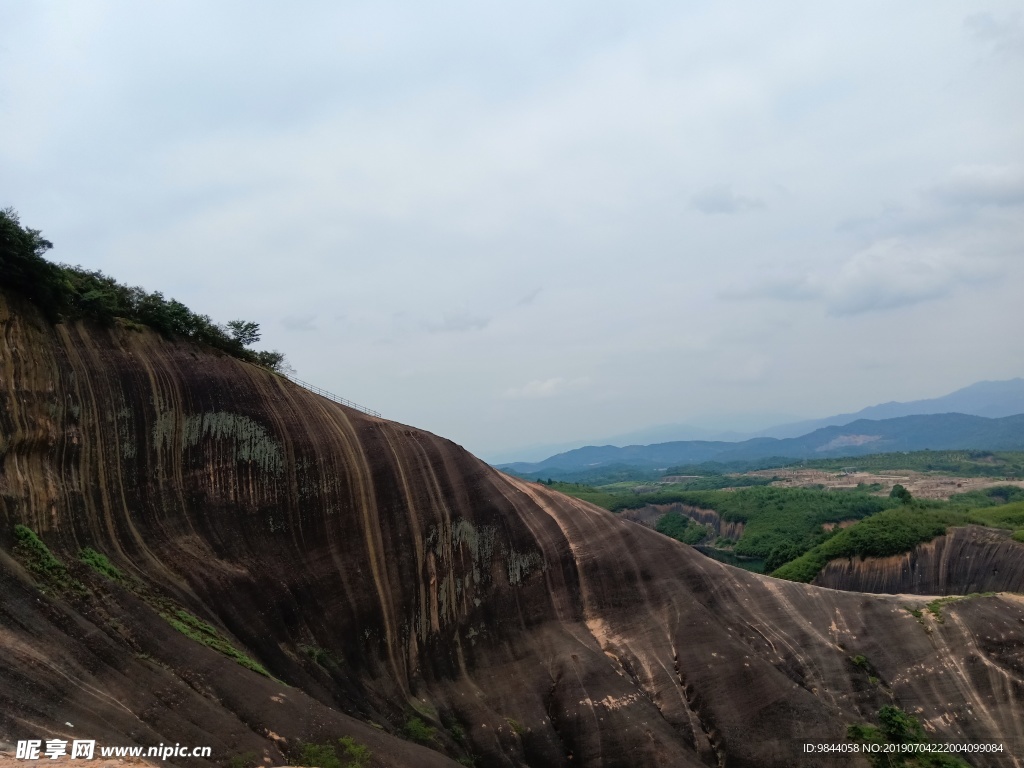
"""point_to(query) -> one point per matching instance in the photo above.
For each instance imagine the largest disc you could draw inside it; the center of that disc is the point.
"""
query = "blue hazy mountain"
(992, 399)
(946, 431)
(984, 398)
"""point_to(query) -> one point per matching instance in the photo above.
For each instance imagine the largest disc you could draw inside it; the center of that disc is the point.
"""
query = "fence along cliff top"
(330, 395)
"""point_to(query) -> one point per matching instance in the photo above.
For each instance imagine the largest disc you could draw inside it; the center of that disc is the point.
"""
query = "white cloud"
(979, 185)
(886, 275)
(545, 388)
(893, 273)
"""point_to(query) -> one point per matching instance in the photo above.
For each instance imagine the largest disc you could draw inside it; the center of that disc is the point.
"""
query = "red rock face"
(650, 514)
(964, 561)
(379, 572)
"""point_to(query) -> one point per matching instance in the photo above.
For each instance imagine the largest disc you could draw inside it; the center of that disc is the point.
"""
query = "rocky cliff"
(965, 560)
(378, 574)
(649, 515)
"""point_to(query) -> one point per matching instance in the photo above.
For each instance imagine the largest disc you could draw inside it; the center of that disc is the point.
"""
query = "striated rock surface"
(381, 573)
(649, 515)
(965, 560)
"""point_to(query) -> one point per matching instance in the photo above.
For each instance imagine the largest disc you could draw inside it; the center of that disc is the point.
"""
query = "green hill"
(898, 530)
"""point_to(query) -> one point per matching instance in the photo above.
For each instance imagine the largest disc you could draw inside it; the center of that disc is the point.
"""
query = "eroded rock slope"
(380, 573)
(966, 560)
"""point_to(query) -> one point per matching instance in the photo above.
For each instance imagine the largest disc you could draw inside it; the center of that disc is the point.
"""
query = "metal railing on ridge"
(330, 395)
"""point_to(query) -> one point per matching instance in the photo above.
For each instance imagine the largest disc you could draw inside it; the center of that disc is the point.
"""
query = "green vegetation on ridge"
(682, 528)
(65, 292)
(896, 531)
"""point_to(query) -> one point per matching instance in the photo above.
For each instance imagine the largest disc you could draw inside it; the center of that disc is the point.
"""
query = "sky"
(522, 225)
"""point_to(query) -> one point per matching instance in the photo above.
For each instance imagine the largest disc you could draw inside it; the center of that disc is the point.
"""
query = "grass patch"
(935, 606)
(36, 556)
(416, 730)
(198, 630)
(99, 563)
(1019, 535)
(43, 564)
(917, 613)
(896, 727)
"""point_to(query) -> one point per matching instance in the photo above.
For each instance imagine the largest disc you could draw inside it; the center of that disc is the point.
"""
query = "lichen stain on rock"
(519, 565)
(250, 441)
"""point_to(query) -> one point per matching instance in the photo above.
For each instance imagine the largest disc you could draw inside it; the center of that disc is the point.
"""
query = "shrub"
(898, 727)
(416, 730)
(37, 557)
(357, 754)
(318, 756)
(99, 563)
(901, 494)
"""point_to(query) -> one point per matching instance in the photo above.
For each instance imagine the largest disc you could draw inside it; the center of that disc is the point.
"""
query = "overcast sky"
(525, 223)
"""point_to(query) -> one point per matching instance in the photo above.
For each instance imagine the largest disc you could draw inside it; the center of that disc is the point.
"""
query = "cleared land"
(921, 484)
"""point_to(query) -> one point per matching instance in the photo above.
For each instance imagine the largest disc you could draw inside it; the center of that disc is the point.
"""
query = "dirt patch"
(920, 484)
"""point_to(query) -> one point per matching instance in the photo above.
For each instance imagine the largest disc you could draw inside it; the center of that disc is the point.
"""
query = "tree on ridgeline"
(245, 333)
(23, 267)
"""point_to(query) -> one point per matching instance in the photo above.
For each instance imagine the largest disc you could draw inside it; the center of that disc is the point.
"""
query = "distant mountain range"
(993, 399)
(946, 431)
